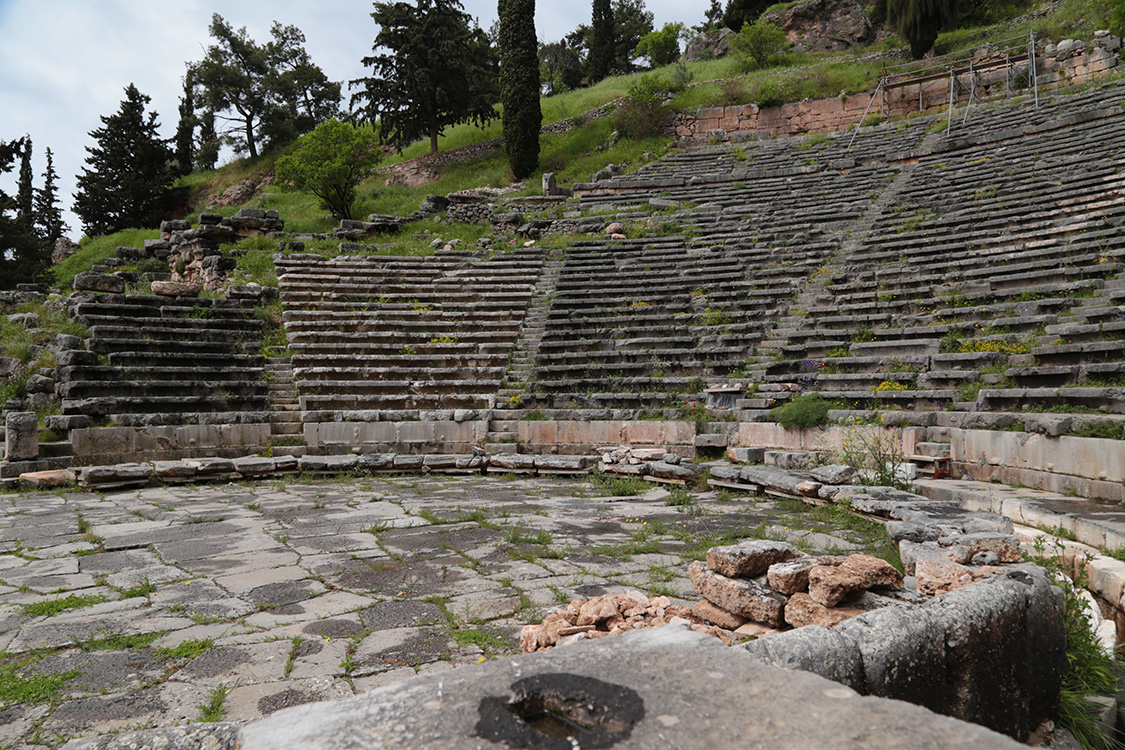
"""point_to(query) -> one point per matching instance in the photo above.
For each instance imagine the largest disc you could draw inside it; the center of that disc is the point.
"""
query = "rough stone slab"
(664, 666)
(328, 463)
(511, 461)
(175, 289)
(98, 282)
(749, 559)
(748, 598)
(792, 576)
(830, 585)
(42, 480)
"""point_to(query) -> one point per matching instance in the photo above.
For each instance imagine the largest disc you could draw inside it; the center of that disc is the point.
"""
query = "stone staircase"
(521, 364)
(285, 407)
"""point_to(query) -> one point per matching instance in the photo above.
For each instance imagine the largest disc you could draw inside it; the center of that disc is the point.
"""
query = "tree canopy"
(519, 85)
(434, 68)
(661, 47)
(268, 92)
(630, 23)
(920, 21)
(20, 250)
(331, 162)
(560, 68)
(738, 13)
(128, 171)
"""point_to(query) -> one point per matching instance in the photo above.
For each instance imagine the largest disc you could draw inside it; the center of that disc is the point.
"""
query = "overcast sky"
(64, 63)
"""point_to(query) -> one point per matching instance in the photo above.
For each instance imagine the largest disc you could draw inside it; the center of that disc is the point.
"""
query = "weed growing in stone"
(53, 607)
(215, 707)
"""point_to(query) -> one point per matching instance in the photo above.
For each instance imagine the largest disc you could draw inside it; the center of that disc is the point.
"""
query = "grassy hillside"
(577, 154)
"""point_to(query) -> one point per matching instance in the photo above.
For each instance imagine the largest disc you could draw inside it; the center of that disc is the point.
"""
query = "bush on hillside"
(760, 43)
(642, 112)
(803, 412)
(330, 162)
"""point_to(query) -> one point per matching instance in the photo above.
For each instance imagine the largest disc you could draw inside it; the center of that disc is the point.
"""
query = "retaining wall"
(840, 113)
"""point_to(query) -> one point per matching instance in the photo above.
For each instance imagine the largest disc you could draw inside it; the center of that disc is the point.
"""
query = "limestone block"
(21, 431)
(99, 282)
(831, 585)
(749, 559)
(829, 653)
(793, 576)
(175, 289)
(747, 598)
(802, 610)
(716, 615)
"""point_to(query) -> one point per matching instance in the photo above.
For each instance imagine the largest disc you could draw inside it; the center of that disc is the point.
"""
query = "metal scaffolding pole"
(1033, 72)
(864, 117)
(952, 85)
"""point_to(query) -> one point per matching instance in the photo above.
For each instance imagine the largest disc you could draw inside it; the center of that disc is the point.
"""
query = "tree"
(600, 61)
(920, 21)
(185, 130)
(630, 22)
(128, 172)
(331, 162)
(713, 19)
(48, 215)
(18, 245)
(25, 209)
(738, 13)
(560, 68)
(759, 42)
(661, 47)
(207, 153)
(435, 71)
(519, 86)
(271, 92)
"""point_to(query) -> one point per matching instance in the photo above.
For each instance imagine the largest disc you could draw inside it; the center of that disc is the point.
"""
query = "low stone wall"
(112, 445)
(551, 436)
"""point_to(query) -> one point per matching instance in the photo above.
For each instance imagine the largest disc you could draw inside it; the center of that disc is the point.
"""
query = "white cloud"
(65, 63)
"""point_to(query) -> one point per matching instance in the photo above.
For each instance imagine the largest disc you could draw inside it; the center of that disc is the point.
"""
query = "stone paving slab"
(286, 592)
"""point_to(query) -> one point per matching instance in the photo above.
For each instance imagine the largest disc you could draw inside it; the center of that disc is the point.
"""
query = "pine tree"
(185, 130)
(268, 92)
(49, 222)
(440, 71)
(128, 172)
(920, 21)
(601, 41)
(17, 243)
(519, 85)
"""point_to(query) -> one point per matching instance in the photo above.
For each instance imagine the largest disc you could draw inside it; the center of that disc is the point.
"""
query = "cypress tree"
(48, 215)
(208, 152)
(185, 130)
(25, 209)
(601, 41)
(519, 85)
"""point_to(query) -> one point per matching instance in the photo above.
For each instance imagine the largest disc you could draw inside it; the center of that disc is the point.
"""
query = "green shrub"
(803, 412)
(641, 113)
(761, 43)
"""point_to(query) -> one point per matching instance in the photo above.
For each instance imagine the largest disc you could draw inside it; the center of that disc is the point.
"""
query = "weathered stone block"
(748, 598)
(21, 442)
(99, 282)
(749, 559)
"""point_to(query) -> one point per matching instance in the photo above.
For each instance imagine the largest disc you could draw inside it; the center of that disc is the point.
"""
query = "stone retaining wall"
(840, 113)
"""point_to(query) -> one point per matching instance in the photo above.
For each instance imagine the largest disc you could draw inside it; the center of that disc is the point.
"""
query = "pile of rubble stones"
(749, 590)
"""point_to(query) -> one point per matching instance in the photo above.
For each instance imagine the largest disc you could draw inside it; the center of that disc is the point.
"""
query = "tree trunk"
(433, 139)
(250, 145)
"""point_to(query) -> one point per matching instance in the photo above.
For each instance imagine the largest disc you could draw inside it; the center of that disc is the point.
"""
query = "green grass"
(143, 588)
(189, 649)
(55, 606)
(46, 688)
(94, 250)
(608, 485)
